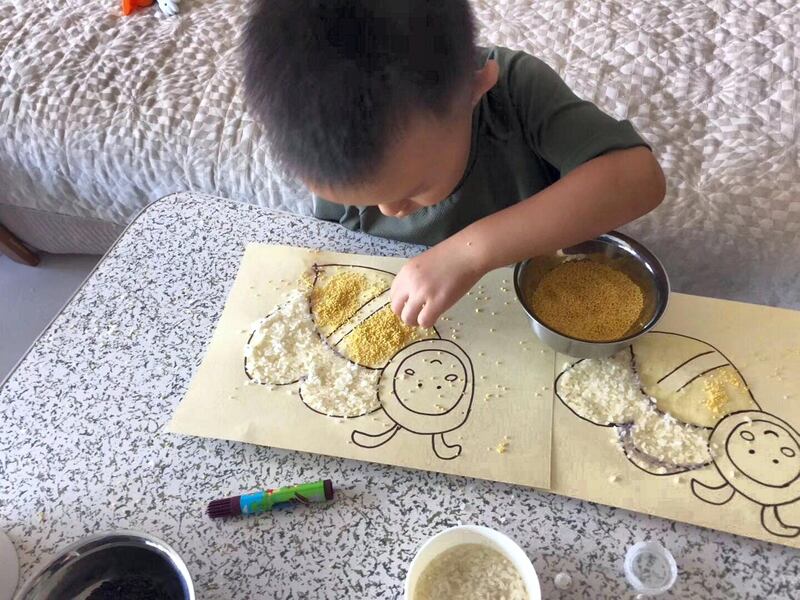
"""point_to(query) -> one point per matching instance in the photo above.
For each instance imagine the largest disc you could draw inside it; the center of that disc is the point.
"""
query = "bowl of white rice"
(470, 562)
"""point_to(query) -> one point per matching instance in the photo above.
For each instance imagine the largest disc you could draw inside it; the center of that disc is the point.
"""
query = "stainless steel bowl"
(81, 568)
(614, 249)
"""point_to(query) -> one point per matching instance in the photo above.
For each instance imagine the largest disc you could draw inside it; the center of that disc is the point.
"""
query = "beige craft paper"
(763, 345)
(754, 351)
(496, 338)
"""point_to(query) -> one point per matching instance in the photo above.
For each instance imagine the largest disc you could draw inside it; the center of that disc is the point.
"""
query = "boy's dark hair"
(335, 81)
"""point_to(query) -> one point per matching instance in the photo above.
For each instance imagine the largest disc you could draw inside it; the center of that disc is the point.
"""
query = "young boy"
(389, 111)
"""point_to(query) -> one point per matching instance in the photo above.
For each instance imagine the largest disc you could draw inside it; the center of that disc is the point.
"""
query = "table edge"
(104, 256)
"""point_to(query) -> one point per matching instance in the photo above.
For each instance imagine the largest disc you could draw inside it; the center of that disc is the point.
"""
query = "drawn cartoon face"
(430, 381)
(765, 452)
(427, 387)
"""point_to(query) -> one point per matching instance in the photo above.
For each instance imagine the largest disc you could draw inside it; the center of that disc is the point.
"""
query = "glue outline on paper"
(396, 386)
(756, 454)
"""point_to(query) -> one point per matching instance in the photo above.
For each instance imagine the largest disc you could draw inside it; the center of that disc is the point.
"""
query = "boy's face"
(421, 168)
(425, 164)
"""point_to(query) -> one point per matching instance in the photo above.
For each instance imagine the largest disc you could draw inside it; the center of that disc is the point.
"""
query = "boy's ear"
(485, 79)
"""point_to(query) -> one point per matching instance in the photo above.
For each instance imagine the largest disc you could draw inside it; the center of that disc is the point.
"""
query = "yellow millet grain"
(714, 386)
(588, 300)
(379, 338)
(340, 297)
(716, 396)
(305, 282)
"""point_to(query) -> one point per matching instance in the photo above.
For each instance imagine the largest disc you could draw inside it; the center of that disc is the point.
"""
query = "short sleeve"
(560, 127)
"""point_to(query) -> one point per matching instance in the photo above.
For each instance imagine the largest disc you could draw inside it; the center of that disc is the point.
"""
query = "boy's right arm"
(598, 196)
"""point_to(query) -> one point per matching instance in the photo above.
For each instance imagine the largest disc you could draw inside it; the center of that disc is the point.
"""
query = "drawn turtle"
(340, 334)
(760, 459)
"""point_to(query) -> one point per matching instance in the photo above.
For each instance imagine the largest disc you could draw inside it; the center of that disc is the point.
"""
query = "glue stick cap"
(650, 568)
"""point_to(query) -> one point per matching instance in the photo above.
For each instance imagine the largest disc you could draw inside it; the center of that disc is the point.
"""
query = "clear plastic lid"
(650, 568)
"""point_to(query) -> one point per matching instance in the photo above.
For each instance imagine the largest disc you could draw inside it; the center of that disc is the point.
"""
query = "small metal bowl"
(82, 567)
(613, 249)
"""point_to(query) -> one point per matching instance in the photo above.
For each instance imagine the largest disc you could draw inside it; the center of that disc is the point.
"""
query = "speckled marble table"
(83, 448)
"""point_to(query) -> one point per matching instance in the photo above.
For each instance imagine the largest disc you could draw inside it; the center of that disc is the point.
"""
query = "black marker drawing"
(759, 459)
(373, 301)
(425, 387)
(755, 453)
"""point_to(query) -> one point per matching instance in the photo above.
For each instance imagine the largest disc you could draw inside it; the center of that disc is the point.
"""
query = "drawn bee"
(692, 396)
(425, 386)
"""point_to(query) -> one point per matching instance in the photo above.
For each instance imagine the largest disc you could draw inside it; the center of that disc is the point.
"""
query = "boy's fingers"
(398, 302)
(428, 315)
(411, 311)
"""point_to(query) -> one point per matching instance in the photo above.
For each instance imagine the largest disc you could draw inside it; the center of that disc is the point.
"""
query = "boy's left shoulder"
(565, 130)
(519, 71)
(523, 82)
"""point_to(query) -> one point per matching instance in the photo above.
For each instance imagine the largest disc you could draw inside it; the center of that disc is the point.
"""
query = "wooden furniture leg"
(15, 249)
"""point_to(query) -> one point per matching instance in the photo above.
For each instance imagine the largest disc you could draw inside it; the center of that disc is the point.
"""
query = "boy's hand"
(596, 197)
(432, 282)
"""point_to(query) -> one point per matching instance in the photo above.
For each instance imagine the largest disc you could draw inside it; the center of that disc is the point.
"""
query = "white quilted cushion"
(100, 114)
(714, 87)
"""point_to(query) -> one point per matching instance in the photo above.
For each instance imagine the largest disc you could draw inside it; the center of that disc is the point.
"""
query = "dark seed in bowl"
(132, 587)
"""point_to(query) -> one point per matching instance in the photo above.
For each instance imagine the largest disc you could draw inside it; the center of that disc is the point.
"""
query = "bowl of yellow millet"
(593, 299)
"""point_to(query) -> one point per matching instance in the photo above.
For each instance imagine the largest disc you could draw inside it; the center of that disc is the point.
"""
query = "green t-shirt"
(527, 131)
